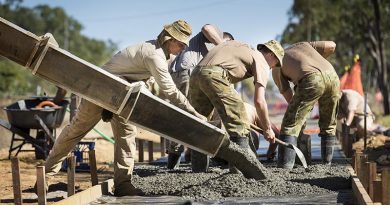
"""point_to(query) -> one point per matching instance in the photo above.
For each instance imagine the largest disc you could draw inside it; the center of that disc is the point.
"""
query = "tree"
(357, 26)
(66, 30)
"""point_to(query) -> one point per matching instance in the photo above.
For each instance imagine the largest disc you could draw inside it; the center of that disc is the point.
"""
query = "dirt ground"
(104, 157)
(378, 149)
(28, 163)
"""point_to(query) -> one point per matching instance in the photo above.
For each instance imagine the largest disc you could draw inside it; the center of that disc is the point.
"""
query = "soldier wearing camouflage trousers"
(183, 65)
(315, 79)
(210, 87)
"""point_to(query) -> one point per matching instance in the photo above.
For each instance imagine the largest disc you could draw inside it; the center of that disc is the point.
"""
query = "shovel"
(298, 151)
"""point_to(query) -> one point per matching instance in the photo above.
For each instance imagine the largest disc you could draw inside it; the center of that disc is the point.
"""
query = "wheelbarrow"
(24, 116)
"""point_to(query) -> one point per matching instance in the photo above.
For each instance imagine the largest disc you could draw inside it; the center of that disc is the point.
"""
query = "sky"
(127, 22)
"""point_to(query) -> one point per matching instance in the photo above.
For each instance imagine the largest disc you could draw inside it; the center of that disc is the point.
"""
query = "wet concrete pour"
(218, 185)
(319, 184)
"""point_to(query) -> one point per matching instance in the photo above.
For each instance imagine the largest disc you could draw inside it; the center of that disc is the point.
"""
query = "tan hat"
(179, 30)
(276, 48)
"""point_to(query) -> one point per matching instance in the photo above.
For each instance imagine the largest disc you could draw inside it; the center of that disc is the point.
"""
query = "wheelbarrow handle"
(258, 129)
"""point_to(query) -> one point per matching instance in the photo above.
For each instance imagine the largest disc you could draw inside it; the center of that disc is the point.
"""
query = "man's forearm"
(350, 117)
(262, 112)
(211, 34)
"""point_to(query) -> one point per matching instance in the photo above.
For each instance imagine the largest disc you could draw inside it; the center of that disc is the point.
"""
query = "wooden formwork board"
(88, 195)
(359, 192)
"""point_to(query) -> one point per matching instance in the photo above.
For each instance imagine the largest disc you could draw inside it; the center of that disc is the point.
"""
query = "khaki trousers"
(85, 119)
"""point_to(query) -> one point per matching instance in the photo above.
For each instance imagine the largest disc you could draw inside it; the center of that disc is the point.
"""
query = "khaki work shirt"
(300, 60)
(352, 101)
(240, 60)
(141, 61)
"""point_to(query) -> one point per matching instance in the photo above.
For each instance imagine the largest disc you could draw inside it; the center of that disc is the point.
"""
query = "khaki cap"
(179, 30)
(276, 48)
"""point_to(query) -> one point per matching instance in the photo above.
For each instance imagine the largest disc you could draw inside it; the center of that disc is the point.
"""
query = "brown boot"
(126, 189)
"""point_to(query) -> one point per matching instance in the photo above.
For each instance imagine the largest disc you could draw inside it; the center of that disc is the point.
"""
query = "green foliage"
(345, 22)
(353, 25)
(383, 120)
(15, 80)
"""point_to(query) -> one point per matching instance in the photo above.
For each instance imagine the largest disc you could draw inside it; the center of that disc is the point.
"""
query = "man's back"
(131, 62)
(301, 59)
(352, 101)
(240, 60)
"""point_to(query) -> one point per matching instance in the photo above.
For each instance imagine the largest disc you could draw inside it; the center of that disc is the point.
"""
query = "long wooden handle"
(258, 129)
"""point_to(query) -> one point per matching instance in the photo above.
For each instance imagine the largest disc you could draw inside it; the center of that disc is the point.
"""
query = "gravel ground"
(218, 184)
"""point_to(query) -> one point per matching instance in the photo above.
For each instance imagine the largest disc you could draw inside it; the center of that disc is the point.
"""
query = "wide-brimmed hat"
(179, 30)
(274, 47)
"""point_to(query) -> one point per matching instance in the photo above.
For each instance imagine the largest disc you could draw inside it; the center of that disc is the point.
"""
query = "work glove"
(106, 115)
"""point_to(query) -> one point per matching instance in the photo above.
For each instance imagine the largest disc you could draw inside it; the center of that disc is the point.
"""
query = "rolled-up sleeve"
(324, 48)
(158, 67)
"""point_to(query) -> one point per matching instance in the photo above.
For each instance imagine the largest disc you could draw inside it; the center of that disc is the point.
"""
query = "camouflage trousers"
(182, 82)
(322, 87)
(210, 88)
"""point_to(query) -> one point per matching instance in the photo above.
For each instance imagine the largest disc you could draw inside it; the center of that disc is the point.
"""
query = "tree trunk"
(382, 64)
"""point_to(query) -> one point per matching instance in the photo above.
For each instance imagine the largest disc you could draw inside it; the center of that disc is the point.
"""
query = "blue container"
(82, 157)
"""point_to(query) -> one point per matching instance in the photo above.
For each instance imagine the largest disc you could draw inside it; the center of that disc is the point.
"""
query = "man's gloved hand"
(106, 115)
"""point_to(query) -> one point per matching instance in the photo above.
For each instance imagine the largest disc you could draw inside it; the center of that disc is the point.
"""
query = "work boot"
(126, 189)
(173, 161)
(286, 155)
(243, 142)
(187, 155)
(304, 144)
(327, 144)
(199, 162)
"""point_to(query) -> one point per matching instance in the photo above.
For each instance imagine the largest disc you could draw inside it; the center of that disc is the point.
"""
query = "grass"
(383, 120)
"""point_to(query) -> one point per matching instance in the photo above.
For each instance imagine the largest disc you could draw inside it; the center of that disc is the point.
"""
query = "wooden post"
(150, 150)
(386, 186)
(355, 157)
(140, 150)
(346, 140)
(71, 173)
(363, 159)
(365, 121)
(162, 144)
(371, 178)
(356, 162)
(41, 185)
(348, 145)
(364, 174)
(377, 191)
(16, 180)
(93, 168)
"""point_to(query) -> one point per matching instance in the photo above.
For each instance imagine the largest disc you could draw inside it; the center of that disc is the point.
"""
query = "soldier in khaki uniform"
(351, 110)
(210, 87)
(315, 79)
(182, 66)
(134, 63)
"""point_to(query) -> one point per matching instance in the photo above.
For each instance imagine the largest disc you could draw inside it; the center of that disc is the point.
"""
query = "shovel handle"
(258, 129)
